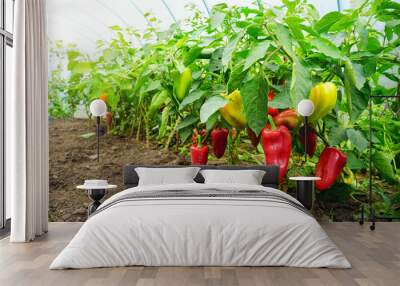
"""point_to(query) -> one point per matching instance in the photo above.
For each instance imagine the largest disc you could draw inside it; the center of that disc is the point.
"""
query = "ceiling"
(83, 22)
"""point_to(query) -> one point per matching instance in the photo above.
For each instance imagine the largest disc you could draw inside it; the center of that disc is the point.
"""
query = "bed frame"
(271, 177)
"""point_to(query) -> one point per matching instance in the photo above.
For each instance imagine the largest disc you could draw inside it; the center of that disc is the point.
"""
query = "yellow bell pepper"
(233, 111)
(324, 96)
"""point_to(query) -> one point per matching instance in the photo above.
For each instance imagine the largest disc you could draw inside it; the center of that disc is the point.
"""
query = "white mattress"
(200, 231)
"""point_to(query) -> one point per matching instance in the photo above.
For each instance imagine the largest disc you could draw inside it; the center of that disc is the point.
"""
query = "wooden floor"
(375, 257)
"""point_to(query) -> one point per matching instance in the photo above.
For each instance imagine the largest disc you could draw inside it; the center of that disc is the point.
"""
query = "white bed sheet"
(200, 232)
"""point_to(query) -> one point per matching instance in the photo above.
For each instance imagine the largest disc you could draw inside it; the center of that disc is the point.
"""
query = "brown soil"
(73, 159)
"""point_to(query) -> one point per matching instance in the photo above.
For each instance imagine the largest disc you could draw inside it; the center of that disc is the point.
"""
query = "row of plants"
(234, 79)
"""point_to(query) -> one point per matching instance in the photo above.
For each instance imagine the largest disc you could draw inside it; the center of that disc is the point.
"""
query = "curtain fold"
(27, 124)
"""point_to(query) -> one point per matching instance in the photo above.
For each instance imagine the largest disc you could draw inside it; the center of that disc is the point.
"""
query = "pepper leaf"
(323, 25)
(281, 99)
(212, 105)
(353, 162)
(236, 78)
(192, 97)
(216, 18)
(346, 21)
(357, 138)
(301, 82)
(382, 162)
(258, 52)
(327, 48)
(357, 100)
(284, 38)
(215, 64)
(187, 121)
(229, 49)
(254, 94)
(337, 135)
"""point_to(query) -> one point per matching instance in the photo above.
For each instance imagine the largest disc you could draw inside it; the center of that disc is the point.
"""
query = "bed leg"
(362, 215)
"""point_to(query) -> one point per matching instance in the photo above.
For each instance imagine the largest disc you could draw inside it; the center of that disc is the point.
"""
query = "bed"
(198, 224)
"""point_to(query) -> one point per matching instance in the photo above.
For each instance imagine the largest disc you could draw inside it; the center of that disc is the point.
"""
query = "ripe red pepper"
(277, 145)
(253, 137)
(288, 117)
(198, 151)
(272, 111)
(330, 165)
(311, 139)
(219, 140)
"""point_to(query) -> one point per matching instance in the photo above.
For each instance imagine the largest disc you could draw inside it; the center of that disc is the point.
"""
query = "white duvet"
(200, 231)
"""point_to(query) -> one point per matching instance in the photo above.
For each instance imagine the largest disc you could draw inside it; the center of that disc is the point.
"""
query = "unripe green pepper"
(183, 83)
(157, 101)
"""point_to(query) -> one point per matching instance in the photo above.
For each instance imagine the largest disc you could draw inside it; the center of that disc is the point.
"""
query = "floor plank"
(375, 257)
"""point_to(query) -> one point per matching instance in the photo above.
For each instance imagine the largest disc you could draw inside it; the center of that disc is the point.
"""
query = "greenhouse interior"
(201, 133)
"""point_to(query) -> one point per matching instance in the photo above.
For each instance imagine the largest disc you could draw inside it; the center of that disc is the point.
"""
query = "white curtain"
(27, 124)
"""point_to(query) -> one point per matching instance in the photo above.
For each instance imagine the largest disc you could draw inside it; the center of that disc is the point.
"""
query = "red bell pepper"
(272, 111)
(311, 139)
(253, 137)
(330, 165)
(198, 151)
(277, 145)
(219, 140)
(288, 117)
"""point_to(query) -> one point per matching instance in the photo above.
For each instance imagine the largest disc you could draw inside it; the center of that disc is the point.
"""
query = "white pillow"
(248, 177)
(166, 176)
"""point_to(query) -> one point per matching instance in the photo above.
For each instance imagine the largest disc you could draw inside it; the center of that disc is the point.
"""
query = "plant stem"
(271, 121)
(147, 128)
(138, 129)
(171, 135)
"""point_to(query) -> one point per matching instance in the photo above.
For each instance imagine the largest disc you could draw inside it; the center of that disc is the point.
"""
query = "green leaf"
(236, 78)
(357, 100)
(188, 121)
(192, 97)
(301, 83)
(254, 94)
(212, 105)
(256, 53)
(212, 120)
(382, 162)
(327, 48)
(284, 38)
(154, 85)
(281, 99)
(216, 60)
(345, 22)
(353, 163)
(184, 134)
(357, 138)
(355, 72)
(82, 67)
(192, 55)
(216, 18)
(229, 49)
(373, 45)
(324, 24)
(339, 192)
(336, 136)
